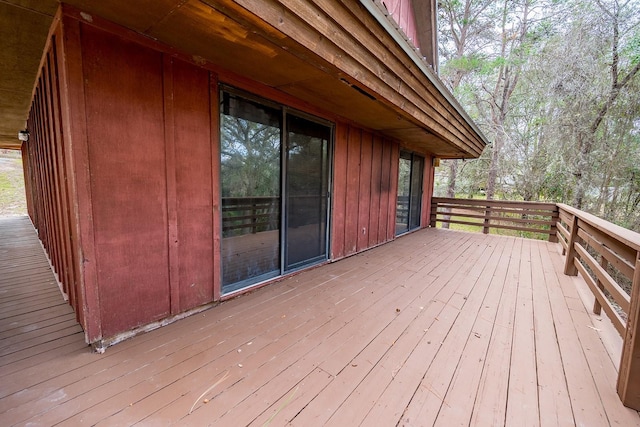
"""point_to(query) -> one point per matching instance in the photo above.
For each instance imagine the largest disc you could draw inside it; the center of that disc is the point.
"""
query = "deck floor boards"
(436, 328)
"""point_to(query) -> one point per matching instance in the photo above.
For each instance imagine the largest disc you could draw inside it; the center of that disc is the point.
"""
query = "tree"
(617, 25)
(469, 29)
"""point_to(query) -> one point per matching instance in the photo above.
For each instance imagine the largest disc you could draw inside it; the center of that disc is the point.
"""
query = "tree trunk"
(451, 186)
(493, 166)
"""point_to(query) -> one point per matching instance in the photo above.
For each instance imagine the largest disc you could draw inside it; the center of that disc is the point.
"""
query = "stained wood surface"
(436, 328)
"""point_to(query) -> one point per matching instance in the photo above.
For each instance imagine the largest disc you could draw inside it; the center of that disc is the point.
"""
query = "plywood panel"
(124, 112)
(194, 184)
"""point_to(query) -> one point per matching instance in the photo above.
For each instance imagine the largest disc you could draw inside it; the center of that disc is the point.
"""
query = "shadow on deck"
(437, 327)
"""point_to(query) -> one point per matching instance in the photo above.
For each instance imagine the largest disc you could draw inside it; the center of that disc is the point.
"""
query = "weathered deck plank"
(438, 327)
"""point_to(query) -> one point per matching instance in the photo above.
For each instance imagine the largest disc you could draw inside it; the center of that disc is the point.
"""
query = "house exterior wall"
(47, 178)
(123, 176)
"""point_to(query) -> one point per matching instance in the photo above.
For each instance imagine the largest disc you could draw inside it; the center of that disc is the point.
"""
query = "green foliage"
(466, 64)
(548, 93)
(12, 195)
(632, 49)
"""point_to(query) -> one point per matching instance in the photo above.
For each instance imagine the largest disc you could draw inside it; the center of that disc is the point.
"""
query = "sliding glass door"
(409, 202)
(250, 138)
(275, 180)
(306, 192)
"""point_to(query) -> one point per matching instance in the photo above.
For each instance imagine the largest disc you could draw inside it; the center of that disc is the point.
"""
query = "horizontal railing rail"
(250, 213)
(530, 217)
(607, 257)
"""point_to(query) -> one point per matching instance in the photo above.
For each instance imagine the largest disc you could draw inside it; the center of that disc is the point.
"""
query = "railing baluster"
(569, 266)
(597, 308)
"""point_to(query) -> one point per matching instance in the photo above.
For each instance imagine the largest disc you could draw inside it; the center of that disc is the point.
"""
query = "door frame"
(285, 111)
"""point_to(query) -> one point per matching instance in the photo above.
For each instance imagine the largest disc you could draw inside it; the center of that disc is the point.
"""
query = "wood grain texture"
(433, 328)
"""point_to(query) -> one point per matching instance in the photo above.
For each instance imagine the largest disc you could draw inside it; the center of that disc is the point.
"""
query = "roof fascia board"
(375, 9)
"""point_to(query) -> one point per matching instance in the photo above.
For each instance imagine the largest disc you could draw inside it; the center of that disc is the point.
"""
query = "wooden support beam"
(629, 372)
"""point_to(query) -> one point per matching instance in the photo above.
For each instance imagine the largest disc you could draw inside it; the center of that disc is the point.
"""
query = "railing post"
(485, 229)
(629, 372)
(434, 215)
(569, 267)
(555, 217)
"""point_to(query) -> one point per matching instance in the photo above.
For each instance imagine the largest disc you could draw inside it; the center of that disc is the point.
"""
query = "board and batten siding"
(364, 190)
(123, 176)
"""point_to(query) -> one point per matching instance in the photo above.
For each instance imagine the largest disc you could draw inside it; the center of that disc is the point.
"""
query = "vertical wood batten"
(66, 214)
(56, 179)
(67, 275)
(69, 177)
(629, 372)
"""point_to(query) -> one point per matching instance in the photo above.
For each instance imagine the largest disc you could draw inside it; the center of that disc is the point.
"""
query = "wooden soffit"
(332, 54)
(24, 25)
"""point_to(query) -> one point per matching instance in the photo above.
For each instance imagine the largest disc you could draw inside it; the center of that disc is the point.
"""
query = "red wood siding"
(402, 13)
(339, 198)
(194, 194)
(365, 187)
(125, 134)
(123, 178)
(427, 190)
(46, 177)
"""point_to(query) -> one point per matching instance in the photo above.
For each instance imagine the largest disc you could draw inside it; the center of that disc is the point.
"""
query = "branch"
(615, 91)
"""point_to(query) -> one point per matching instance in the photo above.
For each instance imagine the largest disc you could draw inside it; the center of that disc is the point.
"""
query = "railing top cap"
(624, 235)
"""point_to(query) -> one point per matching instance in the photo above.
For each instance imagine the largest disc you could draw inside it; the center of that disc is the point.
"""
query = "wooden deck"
(437, 328)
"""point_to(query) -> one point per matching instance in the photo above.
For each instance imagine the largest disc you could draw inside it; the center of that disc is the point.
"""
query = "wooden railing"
(255, 213)
(528, 217)
(608, 258)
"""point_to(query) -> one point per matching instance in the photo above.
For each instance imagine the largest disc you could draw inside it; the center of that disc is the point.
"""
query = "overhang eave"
(314, 52)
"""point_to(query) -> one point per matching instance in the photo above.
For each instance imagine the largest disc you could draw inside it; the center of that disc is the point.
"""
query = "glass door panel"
(415, 201)
(306, 191)
(250, 135)
(409, 199)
